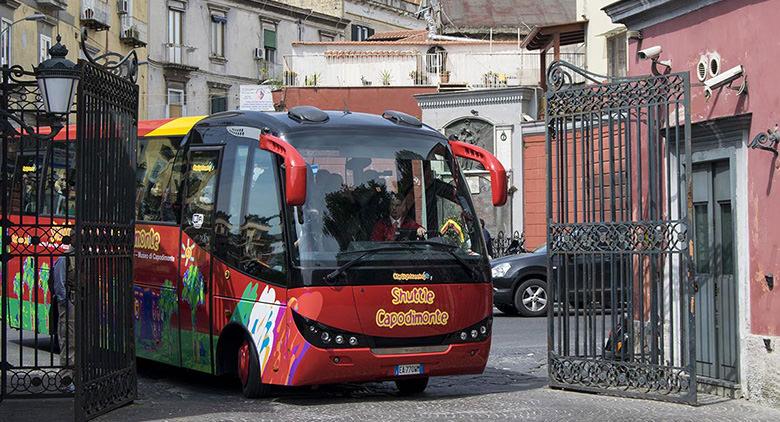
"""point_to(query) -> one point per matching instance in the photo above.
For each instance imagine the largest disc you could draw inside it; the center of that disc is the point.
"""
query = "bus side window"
(263, 254)
(59, 197)
(227, 220)
(158, 180)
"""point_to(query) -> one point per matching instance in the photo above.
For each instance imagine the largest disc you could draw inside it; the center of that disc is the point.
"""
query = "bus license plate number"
(415, 369)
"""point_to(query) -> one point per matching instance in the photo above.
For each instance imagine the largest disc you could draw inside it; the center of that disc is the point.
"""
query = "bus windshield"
(365, 193)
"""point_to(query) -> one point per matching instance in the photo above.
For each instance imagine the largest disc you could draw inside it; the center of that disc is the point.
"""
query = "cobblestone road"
(512, 388)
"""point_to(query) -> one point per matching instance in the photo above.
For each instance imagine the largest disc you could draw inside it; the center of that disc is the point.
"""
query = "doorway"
(717, 336)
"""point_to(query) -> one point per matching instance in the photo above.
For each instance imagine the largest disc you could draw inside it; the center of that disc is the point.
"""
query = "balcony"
(53, 4)
(94, 15)
(177, 57)
(134, 32)
(269, 70)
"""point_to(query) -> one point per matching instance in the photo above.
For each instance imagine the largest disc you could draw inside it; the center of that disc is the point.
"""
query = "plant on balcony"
(385, 77)
(418, 78)
(313, 79)
(365, 81)
(490, 78)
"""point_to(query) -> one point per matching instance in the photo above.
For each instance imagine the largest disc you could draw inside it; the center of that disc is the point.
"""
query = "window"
(5, 43)
(158, 180)
(218, 22)
(217, 101)
(261, 226)
(201, 191)
(269, 44)
(176, 105)
(361, 33)
(44, 45)
(175, 35)
(59, 197)
(327, 36)
(435, 59)
(617, 55)
(227, 224)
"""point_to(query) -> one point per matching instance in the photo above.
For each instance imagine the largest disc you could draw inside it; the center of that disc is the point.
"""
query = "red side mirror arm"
(491, 164)
(294, 164)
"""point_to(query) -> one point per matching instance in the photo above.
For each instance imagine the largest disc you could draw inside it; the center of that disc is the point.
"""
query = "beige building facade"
(114, 25)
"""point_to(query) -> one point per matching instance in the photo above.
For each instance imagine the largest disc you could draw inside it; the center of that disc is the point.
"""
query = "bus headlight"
(477, 332)
(325, 337)
(500, 270)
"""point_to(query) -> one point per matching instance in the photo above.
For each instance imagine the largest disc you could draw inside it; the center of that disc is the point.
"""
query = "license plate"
(415, 369)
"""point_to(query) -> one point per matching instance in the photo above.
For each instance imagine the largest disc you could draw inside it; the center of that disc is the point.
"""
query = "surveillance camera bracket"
(667, 67)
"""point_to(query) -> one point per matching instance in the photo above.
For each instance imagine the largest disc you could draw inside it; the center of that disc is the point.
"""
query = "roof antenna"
(346, 108)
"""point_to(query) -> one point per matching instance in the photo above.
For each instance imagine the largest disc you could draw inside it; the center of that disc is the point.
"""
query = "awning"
(541, 38)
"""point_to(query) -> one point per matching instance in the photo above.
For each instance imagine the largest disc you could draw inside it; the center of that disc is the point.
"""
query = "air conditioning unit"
(122, 6)
(259, 54)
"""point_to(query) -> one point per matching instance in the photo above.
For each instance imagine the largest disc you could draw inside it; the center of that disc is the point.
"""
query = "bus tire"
(411, 387)
(248, 369)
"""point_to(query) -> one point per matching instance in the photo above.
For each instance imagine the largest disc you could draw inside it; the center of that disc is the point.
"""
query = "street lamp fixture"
(58, 79)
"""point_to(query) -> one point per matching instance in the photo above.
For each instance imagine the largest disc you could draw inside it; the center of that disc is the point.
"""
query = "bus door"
(197, 241)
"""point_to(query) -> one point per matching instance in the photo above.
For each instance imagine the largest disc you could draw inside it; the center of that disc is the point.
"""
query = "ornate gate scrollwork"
(618, 189)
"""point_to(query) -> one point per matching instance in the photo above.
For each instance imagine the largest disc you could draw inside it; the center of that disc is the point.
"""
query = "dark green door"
(716, 294)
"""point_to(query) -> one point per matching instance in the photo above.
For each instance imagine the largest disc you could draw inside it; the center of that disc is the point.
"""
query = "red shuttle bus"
(308, 248)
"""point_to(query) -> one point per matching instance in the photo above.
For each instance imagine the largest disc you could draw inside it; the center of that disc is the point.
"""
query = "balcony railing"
(94, 15)
(134, 32)
(178, 55)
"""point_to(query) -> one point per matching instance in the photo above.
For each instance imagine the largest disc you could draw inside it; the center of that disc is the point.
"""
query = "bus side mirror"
(295, 168)
(491, 164)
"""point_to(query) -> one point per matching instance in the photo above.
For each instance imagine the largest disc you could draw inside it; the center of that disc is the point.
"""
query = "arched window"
(474, 131)
(435, 60)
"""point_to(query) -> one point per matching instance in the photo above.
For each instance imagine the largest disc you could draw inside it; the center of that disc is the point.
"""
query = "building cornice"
(639, 14)
(299, 13)
(474, 98)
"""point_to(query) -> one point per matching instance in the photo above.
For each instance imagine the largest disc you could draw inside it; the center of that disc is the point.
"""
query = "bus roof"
(146, 128)
(283, 124)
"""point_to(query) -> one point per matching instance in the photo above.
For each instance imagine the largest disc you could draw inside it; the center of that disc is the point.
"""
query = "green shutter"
(269, 38)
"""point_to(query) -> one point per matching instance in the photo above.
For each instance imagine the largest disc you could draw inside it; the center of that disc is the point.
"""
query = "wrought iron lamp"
(767, 140)
(58, 79)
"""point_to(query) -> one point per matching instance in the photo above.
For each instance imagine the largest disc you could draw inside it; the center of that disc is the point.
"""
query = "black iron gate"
(105, 187)
(618, 235)
(67, 189)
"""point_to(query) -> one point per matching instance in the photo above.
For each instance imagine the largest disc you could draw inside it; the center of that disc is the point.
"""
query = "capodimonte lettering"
(418, 295)
(411, 318)
(412, 276)
(147, 239)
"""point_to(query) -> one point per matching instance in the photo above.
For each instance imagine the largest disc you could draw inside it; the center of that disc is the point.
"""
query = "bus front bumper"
(330, 366)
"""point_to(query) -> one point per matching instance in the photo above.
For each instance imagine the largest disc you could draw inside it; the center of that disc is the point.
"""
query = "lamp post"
(58, 79)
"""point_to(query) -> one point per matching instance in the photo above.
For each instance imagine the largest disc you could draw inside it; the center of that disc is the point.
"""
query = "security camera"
(651, 53)
(725, 77)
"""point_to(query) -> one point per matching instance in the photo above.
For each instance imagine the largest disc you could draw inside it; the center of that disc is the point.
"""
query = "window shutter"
(269, 38)
(355, 33)
(370, 32)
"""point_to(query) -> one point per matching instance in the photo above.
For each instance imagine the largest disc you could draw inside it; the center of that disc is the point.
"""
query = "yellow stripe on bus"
(176, 127)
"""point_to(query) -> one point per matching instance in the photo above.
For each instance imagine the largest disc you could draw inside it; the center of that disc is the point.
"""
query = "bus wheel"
(411, 387)
(249, 372)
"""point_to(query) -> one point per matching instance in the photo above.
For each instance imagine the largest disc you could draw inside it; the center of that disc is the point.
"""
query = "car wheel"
(507, 309)
(531, 298)
(411, 387)
(249, 372)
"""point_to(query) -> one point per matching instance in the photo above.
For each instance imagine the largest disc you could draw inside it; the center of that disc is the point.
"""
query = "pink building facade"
(736, 187)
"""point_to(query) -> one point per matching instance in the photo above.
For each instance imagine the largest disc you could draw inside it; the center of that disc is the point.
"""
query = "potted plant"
(385, 77)
(418, 78)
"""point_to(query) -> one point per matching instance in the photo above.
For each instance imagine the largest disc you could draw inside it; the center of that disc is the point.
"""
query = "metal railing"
(95, 13)
(505, 244)
(177, 54)
(133, 30)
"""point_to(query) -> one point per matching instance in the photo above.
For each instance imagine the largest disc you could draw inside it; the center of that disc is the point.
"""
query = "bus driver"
(387, 229)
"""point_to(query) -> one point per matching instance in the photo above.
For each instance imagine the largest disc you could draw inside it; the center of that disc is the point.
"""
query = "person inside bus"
(391, 227)
(63, 284)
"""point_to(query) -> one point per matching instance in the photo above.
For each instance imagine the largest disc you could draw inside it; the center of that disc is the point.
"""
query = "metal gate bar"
(618, 217)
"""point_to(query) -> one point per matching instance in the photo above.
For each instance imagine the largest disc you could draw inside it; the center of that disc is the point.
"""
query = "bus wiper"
(365, 253)
(450, 249)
